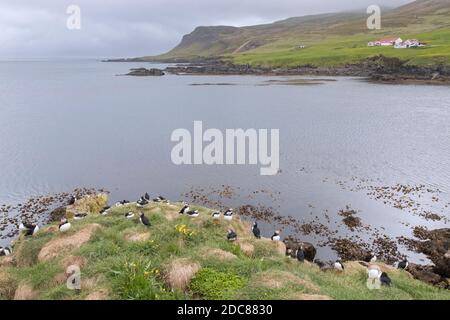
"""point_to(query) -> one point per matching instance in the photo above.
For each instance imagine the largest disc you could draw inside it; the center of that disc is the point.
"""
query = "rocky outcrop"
(428, 274)
(91, 203)
(435, 244)
(292, 245)
(143, 72)
(378, 69)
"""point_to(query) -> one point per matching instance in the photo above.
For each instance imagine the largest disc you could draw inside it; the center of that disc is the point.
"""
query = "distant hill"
(329, 39)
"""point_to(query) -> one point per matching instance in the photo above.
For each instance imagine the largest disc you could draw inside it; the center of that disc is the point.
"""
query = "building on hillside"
(397, 43)
(412, 43)
(387, 42)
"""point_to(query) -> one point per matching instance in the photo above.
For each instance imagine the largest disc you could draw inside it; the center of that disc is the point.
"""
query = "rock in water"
(308, 249)
(143, 72)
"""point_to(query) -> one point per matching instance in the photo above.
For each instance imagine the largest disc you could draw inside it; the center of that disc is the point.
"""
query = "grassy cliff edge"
(179, 257)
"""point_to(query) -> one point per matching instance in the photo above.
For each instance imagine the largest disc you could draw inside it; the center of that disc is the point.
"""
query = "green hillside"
(178, 257)
(329, 39)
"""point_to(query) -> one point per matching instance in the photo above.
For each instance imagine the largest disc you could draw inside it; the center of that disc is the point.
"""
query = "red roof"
(388, 40)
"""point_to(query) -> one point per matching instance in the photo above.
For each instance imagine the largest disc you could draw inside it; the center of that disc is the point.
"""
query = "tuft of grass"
(213, 285)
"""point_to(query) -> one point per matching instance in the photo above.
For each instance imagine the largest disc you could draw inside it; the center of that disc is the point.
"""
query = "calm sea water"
(69, 124)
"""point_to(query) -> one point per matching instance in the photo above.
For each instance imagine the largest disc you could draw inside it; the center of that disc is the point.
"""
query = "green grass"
(137, 270)
(341, 50)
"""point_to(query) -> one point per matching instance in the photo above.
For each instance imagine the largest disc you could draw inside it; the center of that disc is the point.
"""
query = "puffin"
(228, 215)
(256, 231)
(147, 196)
(371, 257)
(144, 220)
(373, 271)
(338, 265)
(64, 225)
(28, 229)
(385, 280)
(403, 264)
(121, 203)
(300, 254)
(129, 215)
(216, 215)
(193, 214)
(72, 200)
(184, 209)
(5, 251)
(142, 202)
(159, 199)
(276, 236)
(104, 211)
(231, 236)
(79, 216)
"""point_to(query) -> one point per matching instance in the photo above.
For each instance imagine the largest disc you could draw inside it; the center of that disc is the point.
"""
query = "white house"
(412, 43)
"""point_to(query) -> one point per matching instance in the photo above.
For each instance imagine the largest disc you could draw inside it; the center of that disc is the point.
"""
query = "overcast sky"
(129, 28)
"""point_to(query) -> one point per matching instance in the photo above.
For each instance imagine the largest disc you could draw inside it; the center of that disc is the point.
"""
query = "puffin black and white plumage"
(184, 209)
(5, 251)
(129, 215)
(300, 254)
(256, 231)
(28, 229)
(147, 196)
(371, 257)
(159, 199)
(403, 264)
(385, 280)
(79, 216)
(276, 236)
(373, 271)
(104, 211)
(228, 215)
(121, 203)
(144, 220)
(338, 265)
(72, 200)
(215, 215)
(231, 236)
(142, 202)
(64, 225)
(193, 213)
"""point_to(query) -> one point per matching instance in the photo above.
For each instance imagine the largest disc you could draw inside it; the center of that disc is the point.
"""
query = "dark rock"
(143, 72)
(294, 244)
(427, 274)
(435, 244)
(57, 214)
(348, 250)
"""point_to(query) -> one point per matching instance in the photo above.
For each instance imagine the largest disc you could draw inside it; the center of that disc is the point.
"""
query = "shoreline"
(433, 243)
(378, 69)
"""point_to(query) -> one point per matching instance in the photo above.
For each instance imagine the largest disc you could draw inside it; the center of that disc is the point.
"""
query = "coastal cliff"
(180, 257)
